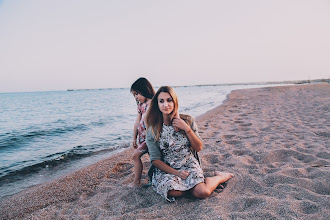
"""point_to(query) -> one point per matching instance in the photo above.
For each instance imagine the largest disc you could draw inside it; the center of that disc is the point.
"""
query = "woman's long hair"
(154, 117)
(144, 87)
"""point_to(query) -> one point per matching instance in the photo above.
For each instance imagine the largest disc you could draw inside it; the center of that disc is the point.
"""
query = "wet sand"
(275, 140)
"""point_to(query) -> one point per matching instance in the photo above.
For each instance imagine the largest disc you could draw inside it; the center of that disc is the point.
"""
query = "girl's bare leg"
(205, 189)
(137, 168)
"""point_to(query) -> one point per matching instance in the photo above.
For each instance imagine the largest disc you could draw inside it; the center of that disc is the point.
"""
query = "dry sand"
(275, 140)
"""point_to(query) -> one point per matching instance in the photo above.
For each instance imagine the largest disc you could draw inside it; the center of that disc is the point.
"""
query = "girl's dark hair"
(144, 87)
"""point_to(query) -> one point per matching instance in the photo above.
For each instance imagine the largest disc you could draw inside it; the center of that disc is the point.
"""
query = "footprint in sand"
(229, 136)
(121, 168)
(246, 124)
(248, 204)
(241, 152)
(238, 120)
(309, 207)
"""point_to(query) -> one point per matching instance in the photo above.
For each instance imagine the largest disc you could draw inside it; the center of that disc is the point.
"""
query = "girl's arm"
(135, 131)
(167, 169)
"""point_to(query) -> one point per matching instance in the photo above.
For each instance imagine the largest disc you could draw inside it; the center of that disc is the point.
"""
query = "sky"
(87, 44)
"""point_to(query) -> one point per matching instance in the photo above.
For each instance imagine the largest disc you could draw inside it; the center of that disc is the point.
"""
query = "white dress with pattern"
(175, 147)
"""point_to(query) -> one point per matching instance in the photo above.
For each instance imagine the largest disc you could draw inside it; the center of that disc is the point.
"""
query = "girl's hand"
(134, 145)
(183, 174)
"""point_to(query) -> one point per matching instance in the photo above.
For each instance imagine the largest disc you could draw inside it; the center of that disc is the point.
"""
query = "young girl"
(172, 140)
(143, 92)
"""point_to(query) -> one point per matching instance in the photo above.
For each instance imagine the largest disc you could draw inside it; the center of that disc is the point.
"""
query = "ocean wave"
(195, 105)
(15, 139)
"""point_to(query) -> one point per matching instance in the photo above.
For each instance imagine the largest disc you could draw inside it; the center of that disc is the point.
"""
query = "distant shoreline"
(230, 84)
(224, 84)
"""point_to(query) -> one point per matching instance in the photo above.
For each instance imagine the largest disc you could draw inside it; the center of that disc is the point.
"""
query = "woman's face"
(165, 103)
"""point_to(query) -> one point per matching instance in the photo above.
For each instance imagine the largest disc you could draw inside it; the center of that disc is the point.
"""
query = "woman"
(173, 141)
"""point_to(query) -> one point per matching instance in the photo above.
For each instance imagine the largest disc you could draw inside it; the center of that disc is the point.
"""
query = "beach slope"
(275, 140)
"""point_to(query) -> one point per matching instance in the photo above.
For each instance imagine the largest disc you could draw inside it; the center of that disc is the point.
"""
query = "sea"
(46, 135)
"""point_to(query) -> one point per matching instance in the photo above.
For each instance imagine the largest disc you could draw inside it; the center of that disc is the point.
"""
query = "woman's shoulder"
(184, 116)
(187, 118)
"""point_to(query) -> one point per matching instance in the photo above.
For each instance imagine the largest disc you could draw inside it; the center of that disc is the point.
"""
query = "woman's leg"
(205, 189)
(137, 168)
(175, 193)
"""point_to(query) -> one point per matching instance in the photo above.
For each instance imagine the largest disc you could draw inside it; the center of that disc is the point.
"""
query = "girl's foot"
(133, 184)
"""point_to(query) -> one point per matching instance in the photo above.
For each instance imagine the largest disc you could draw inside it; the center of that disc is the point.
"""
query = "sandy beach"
(275, 140)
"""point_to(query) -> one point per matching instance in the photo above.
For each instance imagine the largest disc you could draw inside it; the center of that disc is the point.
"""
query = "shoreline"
(272, 138)
(44, 175)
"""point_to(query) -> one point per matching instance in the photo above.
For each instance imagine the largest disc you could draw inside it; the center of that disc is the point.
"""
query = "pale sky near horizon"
(86, 44)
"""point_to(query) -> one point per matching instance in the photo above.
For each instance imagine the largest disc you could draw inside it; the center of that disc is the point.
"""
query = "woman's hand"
(178, 123)
(167, 169)
(183, 174)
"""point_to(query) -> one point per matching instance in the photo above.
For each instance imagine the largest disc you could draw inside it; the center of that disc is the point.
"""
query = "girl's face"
(139, 97)
(165, 103)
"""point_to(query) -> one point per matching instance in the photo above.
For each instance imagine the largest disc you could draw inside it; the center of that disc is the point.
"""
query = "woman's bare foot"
(224, 176)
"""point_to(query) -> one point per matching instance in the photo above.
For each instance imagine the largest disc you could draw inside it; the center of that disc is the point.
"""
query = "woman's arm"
(135, 131)
(195, 142)
(167, 169)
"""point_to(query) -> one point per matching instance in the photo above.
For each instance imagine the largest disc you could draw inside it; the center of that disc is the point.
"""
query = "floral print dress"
(142, 109)
(175, 147)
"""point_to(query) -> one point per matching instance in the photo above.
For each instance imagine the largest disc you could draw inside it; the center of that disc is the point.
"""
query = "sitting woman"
(173, 143)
